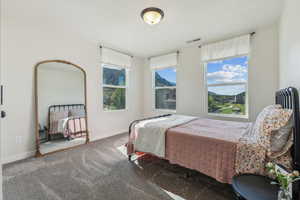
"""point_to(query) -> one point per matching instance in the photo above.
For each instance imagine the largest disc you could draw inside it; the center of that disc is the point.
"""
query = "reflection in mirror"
(61, 110)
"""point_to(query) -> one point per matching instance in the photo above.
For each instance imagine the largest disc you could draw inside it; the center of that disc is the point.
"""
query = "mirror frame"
(37, 137)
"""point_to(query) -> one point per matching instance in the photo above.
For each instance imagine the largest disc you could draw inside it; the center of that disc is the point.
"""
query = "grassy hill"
(226, 104)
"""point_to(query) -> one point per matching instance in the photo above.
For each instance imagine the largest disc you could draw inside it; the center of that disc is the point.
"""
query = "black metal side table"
(254, 187)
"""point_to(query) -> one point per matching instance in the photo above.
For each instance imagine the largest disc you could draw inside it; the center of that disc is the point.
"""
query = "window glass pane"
(165, 77)
(114, 76)
(229, 70)
(165, 99)
(229, 99)
(114, 98)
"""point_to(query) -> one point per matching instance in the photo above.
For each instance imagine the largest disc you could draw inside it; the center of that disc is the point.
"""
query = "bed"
(219, 149)
(67, 120)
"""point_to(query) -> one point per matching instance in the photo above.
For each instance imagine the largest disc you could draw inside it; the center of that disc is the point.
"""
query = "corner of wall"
(289, 44)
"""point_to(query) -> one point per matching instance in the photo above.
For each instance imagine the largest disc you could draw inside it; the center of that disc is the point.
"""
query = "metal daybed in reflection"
(67, 120)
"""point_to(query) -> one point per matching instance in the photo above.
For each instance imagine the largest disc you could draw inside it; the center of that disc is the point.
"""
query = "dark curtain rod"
(251, 34)
(117, 51)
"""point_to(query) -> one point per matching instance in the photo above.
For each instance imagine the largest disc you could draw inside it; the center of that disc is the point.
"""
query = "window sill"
(112, 111)
(165, 110)
(246, 117)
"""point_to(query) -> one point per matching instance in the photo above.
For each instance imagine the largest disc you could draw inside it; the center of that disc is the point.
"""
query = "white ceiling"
(117, 23)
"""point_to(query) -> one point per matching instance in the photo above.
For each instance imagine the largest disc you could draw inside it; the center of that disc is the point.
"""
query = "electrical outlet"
(19, 139)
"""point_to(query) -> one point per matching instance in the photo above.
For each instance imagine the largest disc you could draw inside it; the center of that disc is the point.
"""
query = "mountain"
(114, 76)
(160, 81)
(215, 94)
(212, 93)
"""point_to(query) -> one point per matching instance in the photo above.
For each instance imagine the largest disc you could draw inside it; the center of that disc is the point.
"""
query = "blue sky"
(230, 70)
(227, 71)
(168, 74)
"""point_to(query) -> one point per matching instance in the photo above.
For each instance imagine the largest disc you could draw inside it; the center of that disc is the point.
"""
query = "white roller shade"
(110, 56)
(228, 48)
(164, 61)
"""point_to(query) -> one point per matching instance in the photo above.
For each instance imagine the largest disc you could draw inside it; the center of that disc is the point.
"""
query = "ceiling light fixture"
(152, 15)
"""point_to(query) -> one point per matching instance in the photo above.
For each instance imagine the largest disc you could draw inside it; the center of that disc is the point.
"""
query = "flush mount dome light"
(152, 15)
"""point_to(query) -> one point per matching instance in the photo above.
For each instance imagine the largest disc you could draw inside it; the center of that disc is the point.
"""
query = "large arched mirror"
(61, 115)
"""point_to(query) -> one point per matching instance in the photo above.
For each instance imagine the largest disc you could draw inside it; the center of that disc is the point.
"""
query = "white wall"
(58, 86)
(263, 77)
(263, 70)
(289, 32)
(31, 35)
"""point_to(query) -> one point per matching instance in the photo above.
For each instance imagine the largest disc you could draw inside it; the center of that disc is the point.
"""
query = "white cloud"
(235, 68)
(216, 62)
(228, 73)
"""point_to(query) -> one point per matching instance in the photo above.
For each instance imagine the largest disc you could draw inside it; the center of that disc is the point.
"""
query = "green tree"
(118, 98)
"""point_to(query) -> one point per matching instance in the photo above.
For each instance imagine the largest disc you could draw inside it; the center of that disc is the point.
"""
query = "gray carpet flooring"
(100, 171)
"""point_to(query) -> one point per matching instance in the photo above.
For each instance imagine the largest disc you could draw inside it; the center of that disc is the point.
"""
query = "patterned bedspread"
(220, 149)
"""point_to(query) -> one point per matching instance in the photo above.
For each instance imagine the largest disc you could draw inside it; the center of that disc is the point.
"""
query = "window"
(227, 86)
(114, 87)
(165, 88)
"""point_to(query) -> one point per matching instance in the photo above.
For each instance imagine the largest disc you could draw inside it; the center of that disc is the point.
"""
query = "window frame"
(246, 83)
(154, 88)
(126, 86)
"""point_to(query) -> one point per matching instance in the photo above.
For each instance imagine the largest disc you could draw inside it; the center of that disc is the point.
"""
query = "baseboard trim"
(29, 154)
(21, 156)
(112, 135)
